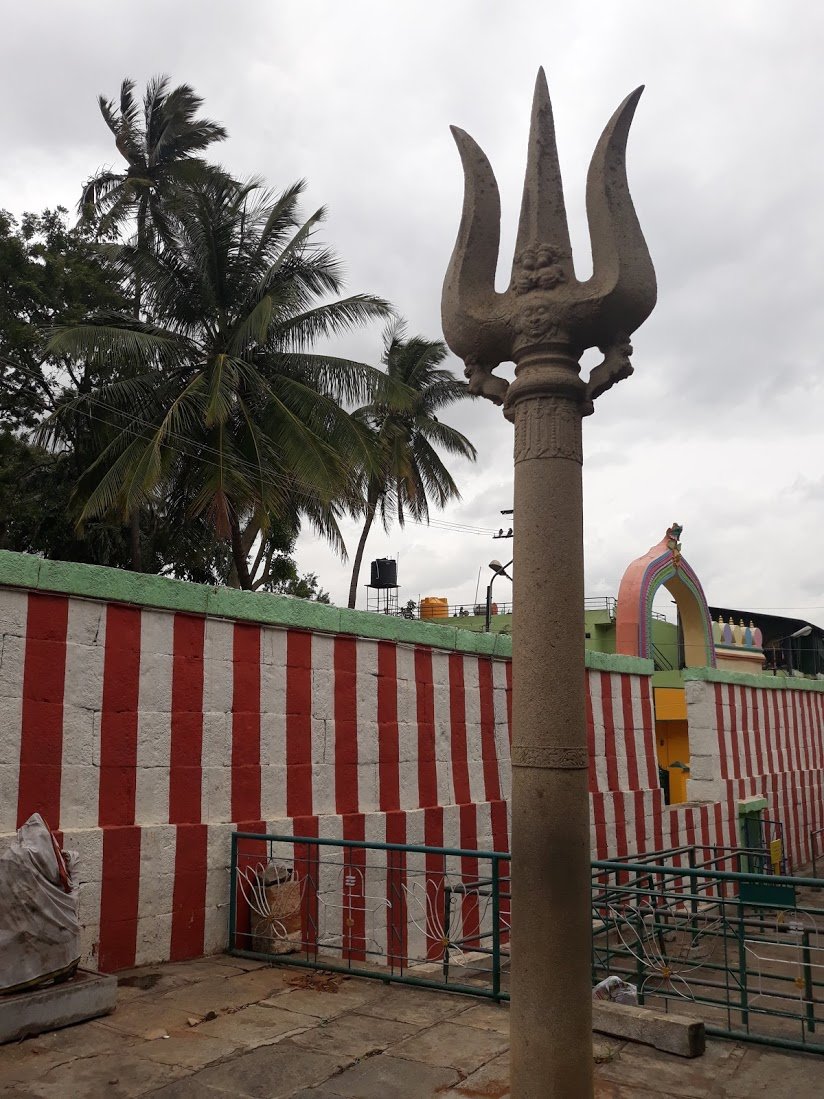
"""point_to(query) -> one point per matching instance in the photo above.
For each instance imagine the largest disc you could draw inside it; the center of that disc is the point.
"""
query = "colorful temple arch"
(664, 566)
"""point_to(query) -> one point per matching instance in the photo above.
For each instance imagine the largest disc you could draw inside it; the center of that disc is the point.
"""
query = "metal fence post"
(233, 893)
(496, 928)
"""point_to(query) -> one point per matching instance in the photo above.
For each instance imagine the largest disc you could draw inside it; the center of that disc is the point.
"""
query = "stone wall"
(146, 719)
(759, 736)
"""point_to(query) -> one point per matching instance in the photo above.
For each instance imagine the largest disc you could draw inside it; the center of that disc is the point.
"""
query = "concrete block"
(703, 768)
(679, 1034)
(84, 996)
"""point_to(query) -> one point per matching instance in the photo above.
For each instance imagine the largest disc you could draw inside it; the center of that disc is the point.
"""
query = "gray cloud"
(722, 418)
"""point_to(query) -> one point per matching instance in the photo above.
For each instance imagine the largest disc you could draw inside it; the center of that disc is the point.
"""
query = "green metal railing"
(743, 951)
(690, 929)
(437, 917)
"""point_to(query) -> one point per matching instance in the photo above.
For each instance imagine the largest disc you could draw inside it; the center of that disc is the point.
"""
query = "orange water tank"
(434, 606)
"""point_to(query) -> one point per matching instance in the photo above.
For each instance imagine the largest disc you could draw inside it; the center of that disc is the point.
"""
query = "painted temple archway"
(664, 566)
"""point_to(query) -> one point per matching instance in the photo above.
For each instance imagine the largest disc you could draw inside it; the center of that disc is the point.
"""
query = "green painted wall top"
(21, 570)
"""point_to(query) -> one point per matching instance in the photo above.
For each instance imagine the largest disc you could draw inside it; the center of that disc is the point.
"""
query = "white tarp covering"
(39, 929)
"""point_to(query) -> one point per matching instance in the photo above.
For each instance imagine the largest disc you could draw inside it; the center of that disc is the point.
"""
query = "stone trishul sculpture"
(544, 322)
(546, 307)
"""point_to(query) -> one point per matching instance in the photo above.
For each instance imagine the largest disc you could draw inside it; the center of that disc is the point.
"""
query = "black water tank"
(384, 573)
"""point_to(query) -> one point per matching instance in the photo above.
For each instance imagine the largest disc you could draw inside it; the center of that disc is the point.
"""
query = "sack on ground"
(39, 926)
(276, 916)
(616, 990)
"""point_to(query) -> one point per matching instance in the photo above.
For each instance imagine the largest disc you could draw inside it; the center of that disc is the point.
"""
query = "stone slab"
(385, 1077)
(272, 1072)
(449, 1045)
(84, 996)
(671, 1033)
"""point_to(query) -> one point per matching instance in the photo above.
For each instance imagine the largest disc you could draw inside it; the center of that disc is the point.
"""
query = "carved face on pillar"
(546, 310)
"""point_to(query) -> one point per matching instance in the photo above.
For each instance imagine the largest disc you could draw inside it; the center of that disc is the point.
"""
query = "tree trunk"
(353, 587)
(241, 561)
(134, 541)
(247, 541)
(134, 517)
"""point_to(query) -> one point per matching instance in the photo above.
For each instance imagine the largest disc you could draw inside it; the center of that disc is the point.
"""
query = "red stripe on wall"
(346, 726)
(689, 820)
(500, 828)
(658, 810)
(769, 742)
(457, 725)
(675, 835)
(592, 770)
(629, 733)
(389, 772)
(780, 734)
(621, 847)
(723, 750)
(791, 735)
(298, 724)
(755, 724)
(397, 949)
(746, 732)
(649, 733)
(250, 853)
(354, 897)
(500, 842)
(640, 823)
(307, 868)
(119, 897)
(189, 898)
(427, 767)
(609, 736)
(41, 736)
(798, 722)
(704, 837)
(435, 867)
(185, 756)
(246, 722)
(470, 913)
(736, 752)
(719, 840)
(489, 752)
(118, 718)
(599, 816)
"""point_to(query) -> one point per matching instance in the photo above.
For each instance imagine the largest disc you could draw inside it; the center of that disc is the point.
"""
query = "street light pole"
(543, 323)
(497, 570)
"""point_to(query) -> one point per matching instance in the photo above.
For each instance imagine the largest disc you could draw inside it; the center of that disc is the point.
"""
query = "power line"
(288, 480)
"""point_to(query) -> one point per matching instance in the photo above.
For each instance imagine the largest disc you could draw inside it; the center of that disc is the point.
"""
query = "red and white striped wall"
(146, 736)
(749, 741)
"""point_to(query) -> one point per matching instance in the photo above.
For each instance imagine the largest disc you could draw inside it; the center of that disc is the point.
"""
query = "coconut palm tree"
(161, 150)
(408, 473)
(220, 396)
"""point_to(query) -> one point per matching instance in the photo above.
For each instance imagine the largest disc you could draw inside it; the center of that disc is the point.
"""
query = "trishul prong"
(545, 306)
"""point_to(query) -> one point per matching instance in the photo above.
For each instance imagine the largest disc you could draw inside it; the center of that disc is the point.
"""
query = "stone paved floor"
(226, 1027)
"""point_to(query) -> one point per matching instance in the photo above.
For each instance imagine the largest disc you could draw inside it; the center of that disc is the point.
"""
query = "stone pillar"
(544, 322)
(551, 986)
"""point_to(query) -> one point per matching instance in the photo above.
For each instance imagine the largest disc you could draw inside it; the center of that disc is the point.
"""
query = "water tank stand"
(382, 600)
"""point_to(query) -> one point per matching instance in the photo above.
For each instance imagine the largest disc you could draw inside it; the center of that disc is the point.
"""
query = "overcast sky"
(719, 428)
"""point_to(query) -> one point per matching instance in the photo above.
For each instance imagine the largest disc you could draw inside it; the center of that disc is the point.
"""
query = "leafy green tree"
(37, 505)
(219, 399)
(405, 433)
(160, 145)
(36, 488)
(50, 274)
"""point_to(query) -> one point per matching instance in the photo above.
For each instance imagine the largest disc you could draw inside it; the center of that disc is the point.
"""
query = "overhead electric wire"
(287, 480)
